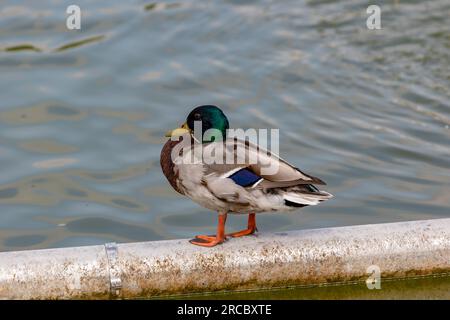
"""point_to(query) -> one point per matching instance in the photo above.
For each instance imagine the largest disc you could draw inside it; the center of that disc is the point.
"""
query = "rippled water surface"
(83, 113)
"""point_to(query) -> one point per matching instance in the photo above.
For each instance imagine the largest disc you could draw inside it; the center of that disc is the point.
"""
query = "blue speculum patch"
(244, 177)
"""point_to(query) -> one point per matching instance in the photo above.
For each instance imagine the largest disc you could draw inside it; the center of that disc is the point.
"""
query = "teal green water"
(83, 113)
(425, 288)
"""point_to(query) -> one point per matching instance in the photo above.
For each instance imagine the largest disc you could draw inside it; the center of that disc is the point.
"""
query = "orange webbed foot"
(209, 237)
(206, 241)
(206, 237)
(242, 233)
(211, 241)
(251, 229)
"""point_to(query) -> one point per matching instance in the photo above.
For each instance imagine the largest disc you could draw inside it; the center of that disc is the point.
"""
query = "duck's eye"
(197, 116)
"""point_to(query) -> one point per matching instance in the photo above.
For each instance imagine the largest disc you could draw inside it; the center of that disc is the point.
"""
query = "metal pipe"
(305, 257)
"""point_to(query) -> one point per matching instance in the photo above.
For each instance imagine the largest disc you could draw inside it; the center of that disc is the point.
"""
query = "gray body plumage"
(207, 182)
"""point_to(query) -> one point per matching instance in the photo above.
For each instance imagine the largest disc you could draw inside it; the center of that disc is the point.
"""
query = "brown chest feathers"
(167, 164)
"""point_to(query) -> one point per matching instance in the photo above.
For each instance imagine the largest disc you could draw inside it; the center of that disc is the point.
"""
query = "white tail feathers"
(309, 199)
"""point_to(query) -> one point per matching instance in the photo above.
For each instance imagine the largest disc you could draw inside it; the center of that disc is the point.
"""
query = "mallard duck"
(241, 186)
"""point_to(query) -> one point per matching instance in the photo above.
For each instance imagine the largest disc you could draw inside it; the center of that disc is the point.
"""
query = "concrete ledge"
(306, 257)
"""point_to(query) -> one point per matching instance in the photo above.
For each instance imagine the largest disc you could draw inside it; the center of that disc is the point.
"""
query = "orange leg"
(251, 228)
(211, 241)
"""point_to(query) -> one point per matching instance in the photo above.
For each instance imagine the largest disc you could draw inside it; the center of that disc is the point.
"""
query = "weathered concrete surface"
(304, 257)
(80, 272)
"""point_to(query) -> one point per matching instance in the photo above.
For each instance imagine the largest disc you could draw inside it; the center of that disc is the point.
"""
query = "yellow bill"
(178, 131)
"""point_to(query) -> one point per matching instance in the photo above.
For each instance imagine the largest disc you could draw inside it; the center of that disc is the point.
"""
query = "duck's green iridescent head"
(210, 117)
